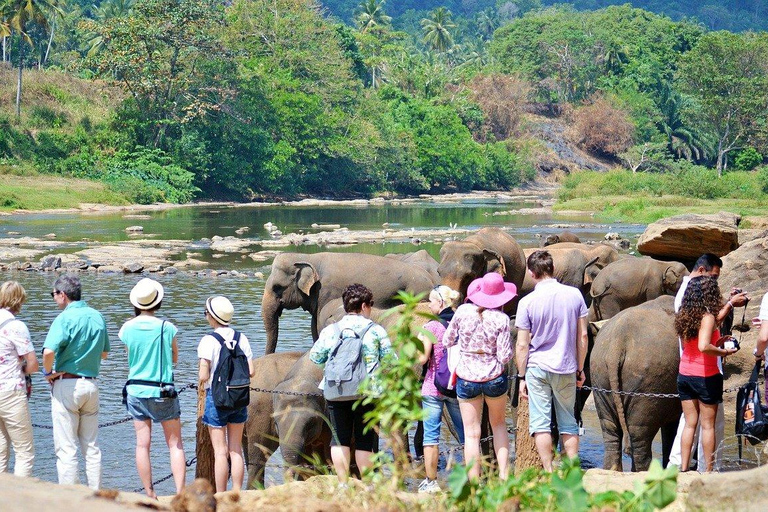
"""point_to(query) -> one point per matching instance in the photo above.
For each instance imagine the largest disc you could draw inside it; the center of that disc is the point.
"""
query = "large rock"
(686, 237)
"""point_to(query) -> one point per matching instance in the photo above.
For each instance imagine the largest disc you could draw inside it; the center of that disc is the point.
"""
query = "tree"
(726, 74)
(372, 16)
(437, 29)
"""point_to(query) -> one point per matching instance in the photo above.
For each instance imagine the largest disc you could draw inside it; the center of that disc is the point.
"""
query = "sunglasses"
(54, 293)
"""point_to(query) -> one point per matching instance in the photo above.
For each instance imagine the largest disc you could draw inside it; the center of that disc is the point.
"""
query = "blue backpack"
(231, 385)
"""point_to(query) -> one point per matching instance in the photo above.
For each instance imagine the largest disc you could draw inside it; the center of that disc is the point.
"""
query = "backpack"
(345, 369)
(231, 385)
(443, 373)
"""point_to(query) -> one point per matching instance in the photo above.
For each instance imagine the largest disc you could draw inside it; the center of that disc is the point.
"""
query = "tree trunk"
(203, 448)
(720, 155)
(5, 39)
(526, 455)
(18, 83)
(50, 41)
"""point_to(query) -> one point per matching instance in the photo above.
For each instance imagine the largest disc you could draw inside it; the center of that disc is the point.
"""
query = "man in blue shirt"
(77, 341)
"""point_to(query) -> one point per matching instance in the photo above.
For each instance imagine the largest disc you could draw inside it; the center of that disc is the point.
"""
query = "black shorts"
(707, 390)
(345, 422)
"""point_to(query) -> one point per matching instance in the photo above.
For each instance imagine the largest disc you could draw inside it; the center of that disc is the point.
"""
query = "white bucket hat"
(147, 294)
(220, 309)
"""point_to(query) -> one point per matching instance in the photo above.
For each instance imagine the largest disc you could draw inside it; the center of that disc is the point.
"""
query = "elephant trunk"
(271, 309)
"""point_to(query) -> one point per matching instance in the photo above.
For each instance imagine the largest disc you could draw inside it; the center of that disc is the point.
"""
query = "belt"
(66, 375)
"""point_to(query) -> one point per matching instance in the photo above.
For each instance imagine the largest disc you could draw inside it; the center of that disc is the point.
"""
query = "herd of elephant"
(636, 350)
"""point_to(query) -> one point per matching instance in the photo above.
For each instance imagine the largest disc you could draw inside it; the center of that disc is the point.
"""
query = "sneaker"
(429, 486)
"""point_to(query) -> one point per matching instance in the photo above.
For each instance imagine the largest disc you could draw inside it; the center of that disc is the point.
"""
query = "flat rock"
(230, 244)
(686, 237)
(134, 229)
(52, 262)
(133, 268)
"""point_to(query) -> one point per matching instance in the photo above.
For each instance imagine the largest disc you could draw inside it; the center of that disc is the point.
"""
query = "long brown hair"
(701, 297)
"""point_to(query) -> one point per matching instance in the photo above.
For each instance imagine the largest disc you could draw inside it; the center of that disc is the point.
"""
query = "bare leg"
(431, 454)
(571, 444)
(172, 431)
(471, 414)
(543, 441)
(340, 457)
(691, 413)
(235, 446)
(364, 460)
(707, 416)
(143, 464)
(497, 415)
(221, 461)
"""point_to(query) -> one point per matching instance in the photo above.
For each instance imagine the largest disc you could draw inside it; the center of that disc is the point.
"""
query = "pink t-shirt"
(551, 312)
(428, 387)
(483, 342)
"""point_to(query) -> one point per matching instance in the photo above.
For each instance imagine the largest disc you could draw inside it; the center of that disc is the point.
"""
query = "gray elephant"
(421, 259)
(604, 253)
(565, 236)
(571, 268)
(260, 434)
(632, 281)
(637, 351)
(489, 250)
(310, 281)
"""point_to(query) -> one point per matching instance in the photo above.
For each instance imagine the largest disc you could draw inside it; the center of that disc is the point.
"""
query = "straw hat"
(147, 294)
(490, 291)
(220, 309)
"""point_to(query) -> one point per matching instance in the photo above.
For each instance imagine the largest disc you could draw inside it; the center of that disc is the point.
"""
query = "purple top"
(428, 387)
(484, 342)
(551, 313)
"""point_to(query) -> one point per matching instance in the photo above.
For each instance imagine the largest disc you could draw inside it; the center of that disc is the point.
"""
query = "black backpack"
(231, 383)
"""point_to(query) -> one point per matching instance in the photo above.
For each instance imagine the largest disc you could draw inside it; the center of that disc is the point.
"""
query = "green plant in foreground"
(562, 490)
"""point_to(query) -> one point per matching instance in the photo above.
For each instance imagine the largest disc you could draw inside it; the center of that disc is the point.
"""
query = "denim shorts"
(545, 390)
(219, 418)
(155, 409)
(433, 406)
(494, 388)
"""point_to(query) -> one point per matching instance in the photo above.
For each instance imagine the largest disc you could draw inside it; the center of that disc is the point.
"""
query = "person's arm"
(762, 340)
(427, 342)
(521, 357)
(737, 300)
(582, 346)
(204, 372)
(705, 338)
(319, 352)
(32, 364)
(504, 348)
(251, 368)
(174, 350)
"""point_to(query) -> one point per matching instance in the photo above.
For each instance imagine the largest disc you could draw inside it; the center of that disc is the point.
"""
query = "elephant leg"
(612, 432)
(668, 433)
(641, 439)
(418, 441)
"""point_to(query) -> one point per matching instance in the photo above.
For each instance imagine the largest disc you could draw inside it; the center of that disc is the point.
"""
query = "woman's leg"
(235, 445)
(221, 461)
(433, 408)
(471, 415)
(172, 431)
(708, 414)
(691, 413)
(143, 465)
(497, 409)
(340, 456)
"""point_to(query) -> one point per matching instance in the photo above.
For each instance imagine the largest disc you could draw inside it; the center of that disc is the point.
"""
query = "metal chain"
(646, 395)
(191, 462)
(279, 392)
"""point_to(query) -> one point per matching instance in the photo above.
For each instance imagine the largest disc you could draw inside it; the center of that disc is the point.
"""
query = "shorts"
(155, 409)
(346, 422)
(433, 406)
(219, 418)
(494, 388)
(707, 390)
(546, 389)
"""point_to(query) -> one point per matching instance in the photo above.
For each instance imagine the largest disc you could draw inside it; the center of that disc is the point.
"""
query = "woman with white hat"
(225, 426)
(149, 394)
(481, 330)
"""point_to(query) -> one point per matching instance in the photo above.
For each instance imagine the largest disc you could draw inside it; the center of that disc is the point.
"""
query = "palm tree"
(108, 10)
(372, 16)
(683, 140)
(487, 23)
(437, 29)
(5, 26)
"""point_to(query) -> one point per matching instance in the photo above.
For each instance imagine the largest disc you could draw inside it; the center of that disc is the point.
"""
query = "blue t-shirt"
(78, 336)
(141, 336)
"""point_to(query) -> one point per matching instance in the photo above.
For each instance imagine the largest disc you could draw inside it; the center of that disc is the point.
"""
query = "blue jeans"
(544, 388)
(214, 417)
(433, 406)
(494, 388)
(155, 409)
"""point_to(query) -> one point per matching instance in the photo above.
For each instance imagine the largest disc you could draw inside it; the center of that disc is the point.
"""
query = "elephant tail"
(614, 378)
(596, 297)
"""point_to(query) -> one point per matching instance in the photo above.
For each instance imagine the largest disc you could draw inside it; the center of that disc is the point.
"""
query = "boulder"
(686, 237)
(50, 262)
(747, 268)
(133, 268)
(134, 229)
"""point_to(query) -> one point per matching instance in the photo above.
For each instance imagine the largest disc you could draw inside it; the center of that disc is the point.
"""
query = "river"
(185, 296)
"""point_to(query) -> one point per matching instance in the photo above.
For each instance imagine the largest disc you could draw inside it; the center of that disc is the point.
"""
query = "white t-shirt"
(210, 347)
(14, 343)
(763, 315)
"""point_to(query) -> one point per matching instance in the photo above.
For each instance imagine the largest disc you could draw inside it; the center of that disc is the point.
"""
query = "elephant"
(310, 281)
(421, 259)
(334, 310)
(632, 281)
(605, 255)
(565, 236)
(489, 250)
(571, 268)
(637, 351)
(260, 434)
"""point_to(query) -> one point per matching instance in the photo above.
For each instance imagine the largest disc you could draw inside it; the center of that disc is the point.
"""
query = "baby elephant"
(565, 236)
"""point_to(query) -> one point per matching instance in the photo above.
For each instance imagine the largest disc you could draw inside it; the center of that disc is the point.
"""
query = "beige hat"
(147, 294)
(220, 309)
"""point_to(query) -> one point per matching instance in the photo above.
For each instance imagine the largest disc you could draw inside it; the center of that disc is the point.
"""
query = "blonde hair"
(448, 296)
(12, 296)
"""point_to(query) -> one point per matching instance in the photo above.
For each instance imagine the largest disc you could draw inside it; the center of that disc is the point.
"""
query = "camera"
(168, 391)
(730, 343)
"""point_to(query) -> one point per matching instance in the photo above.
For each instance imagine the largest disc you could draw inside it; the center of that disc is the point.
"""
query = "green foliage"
(747, 159)
(146, 176)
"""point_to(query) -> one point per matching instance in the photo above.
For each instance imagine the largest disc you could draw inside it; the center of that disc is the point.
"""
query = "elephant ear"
(490, 256)
(306, 276)
(587, 275)
(670, 277)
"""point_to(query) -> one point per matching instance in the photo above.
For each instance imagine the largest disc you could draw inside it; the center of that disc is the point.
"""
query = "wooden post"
(203, 447)
(526, 455)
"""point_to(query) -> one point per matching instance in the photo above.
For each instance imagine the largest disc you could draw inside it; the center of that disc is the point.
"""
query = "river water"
(185, 296)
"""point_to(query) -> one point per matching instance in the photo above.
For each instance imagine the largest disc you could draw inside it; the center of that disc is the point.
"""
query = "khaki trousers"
(16, 431)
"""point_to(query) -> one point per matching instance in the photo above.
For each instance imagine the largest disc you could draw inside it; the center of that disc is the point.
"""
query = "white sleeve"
(764, 308)
(205, 347)
(245, 346)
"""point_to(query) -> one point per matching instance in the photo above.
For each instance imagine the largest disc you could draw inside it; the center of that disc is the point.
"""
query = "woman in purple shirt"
(481, 329)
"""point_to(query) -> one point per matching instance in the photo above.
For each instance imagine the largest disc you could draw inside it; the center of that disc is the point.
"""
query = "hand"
(760, 357)
(739, 299)
(729, 351)
(523, 389)
(580, 378)
(52, 377)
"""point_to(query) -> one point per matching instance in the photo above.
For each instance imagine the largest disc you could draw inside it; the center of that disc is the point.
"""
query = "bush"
(747, 159)
(148, 176)
(502, 99)
(41, 116)
(603, 128)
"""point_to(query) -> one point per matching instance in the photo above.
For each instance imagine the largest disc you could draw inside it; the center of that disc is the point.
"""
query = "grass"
(42, 192)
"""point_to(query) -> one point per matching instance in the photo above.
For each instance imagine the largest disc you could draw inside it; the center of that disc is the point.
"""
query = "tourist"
(762, 337)
(442, 300)
(550, 352)
(481, 330)
(700, 383)
(149, 393)
(77, 341)
(15, 348)
(707, 265)
(348, 421)
(225, 426)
